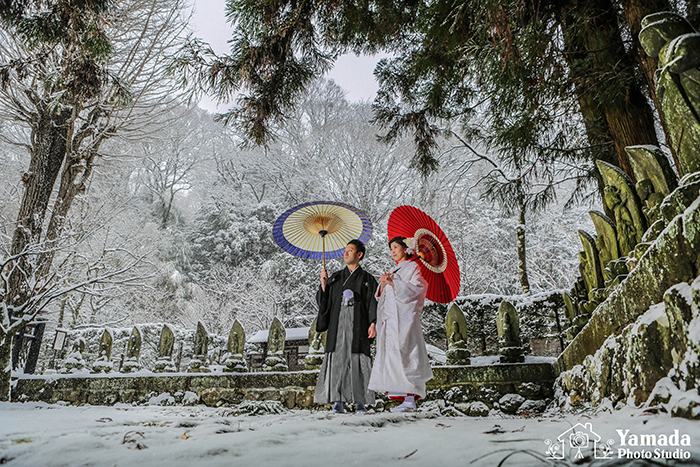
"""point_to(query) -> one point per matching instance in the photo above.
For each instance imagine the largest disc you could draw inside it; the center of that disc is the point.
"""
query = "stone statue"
(199, 363)
(106, 343)
(456, 326)
(133, 349)
(621, 198)
(79, 345)
(578, 304)
(650, 163)
(615, 272)
(655, 178)
(606, 238)
(624, 224)
(571, 311)
(235, 348)
(103, 364)
(673, 40)
(570, 307)
(598, 295)
(276, 339)
(75, 361)
(164, 363)
(584, 270)
(508, 327)
(133, 352)
(317, 348)
(651, 200)
(201, 340)
(579, 291)
(592, 269)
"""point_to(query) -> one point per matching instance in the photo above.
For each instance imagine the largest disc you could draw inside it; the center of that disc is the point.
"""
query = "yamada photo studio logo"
(581, 441)
(577, 440)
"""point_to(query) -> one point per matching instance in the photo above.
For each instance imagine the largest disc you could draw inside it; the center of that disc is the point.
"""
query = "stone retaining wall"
(485, 385)
(640, 345)
(671, 260)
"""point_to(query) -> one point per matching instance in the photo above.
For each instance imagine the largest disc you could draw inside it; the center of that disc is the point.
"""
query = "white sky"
(353, 74)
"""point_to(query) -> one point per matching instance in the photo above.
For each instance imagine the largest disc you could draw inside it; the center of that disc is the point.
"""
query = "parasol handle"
(323, 233)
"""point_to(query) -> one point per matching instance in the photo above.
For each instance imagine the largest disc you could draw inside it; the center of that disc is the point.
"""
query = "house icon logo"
(578, 437)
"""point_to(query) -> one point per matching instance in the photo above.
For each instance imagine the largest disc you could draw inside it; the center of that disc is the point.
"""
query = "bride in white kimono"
(401, 366)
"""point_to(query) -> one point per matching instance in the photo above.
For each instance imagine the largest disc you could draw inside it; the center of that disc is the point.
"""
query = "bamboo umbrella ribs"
(321, 229)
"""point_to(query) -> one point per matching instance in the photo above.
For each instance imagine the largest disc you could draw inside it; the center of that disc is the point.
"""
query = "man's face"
(351, 255)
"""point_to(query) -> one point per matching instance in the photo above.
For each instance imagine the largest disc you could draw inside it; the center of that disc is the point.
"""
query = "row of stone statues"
(641, 211)
(234, 359)
(614, 250)
(199, 363)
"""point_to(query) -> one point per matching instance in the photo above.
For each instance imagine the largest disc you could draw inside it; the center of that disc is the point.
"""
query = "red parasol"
(437, 260)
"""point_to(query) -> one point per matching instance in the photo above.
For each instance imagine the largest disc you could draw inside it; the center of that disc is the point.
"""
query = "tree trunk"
(62, 311)
(604, 76)
(599, 136)
(626, 110)
(631, 123)
(635, 11)
(520, 233)
(48, 153)
(76, 172)
(5, 366)
(597, 129)
(167, 207)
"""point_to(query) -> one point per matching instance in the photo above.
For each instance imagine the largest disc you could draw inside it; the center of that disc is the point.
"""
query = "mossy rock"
(630, 365)
(648, 357)
(532, 407)
(510, 403)
(478, 409)
(687, 406)
(679, 314)
(529, 390)
(305, 399)
(231, 396)
(463, 407)
(669, 261)
(679, 200)
(103, 398)
(211, 398)
(662, 392)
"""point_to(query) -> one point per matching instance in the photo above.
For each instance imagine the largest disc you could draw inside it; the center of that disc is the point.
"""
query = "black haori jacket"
(364, 286)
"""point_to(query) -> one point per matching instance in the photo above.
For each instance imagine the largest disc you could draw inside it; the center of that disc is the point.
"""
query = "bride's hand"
(386, 279)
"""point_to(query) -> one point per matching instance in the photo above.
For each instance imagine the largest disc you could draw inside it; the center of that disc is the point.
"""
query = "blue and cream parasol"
(321, 229)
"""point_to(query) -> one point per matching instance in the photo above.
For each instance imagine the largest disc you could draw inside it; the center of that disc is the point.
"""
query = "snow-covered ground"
(38, 434)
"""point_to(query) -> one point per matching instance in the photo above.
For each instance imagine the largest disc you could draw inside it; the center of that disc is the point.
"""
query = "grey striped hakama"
(344, 375)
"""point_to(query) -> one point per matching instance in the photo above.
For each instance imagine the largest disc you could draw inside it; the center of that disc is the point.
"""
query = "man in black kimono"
(347, 309)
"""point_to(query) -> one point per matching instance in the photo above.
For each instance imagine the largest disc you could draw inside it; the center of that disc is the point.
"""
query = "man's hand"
(372, 331)
(324, 279)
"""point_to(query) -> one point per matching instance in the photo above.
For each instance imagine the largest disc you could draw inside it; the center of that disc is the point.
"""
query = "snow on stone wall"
(539, 315)
(654, 361)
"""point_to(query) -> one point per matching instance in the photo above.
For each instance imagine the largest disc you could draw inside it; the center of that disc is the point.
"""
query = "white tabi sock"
(409, 401)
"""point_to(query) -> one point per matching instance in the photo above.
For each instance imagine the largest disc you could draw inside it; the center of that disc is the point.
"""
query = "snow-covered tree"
(73, 75)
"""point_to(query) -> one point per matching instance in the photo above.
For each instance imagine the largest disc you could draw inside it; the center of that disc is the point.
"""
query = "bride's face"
(398, 252)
